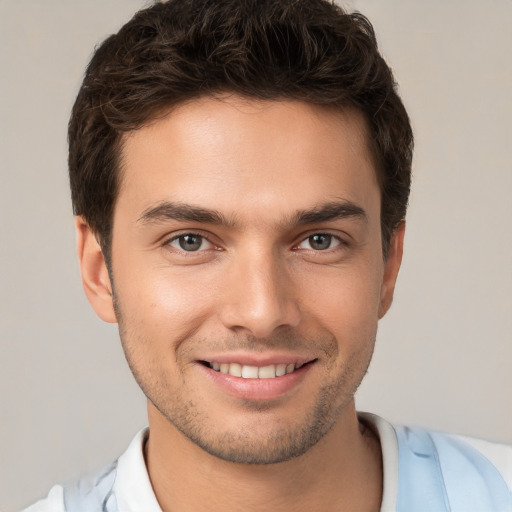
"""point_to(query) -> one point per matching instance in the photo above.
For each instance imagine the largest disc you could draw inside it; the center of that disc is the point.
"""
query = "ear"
(95, 278)
(391, 268)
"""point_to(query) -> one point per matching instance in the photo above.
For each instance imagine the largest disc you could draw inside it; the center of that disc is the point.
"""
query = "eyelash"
(340, 242)
(185, 234)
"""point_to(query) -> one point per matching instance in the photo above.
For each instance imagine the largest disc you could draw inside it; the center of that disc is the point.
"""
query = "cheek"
(345, 300)
(168, 305)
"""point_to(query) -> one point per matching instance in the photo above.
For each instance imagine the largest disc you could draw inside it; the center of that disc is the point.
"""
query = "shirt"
(125, 485)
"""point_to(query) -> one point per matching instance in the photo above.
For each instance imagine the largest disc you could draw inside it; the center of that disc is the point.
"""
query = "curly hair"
(174, 51)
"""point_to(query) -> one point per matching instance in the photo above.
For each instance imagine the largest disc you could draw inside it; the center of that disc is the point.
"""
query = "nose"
(258, 296)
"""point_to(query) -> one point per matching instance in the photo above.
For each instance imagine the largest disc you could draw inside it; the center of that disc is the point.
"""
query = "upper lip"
(257, 359)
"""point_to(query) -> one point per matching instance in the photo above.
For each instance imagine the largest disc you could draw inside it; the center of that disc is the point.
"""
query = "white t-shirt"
(133, 491)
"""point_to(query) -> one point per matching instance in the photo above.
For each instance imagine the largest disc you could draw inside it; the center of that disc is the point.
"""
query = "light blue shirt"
(424, 471)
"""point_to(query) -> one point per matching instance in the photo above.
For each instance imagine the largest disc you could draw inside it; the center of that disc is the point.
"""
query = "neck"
(343, 471)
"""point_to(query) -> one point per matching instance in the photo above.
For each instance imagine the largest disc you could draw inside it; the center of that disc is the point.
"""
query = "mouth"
(256, 376)
(245, 371)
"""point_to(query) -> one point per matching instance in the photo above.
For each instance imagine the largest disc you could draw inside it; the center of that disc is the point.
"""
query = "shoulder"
(119, 486)
(92, 492)
(469, 474)
(461, 452)
(425, 470)
(54, 502)
(498, 454)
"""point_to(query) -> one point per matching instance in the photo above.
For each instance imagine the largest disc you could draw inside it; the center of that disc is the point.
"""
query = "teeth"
(280, 370)
(235, 369)
(267, 372)
(250, 372)
(254, 372)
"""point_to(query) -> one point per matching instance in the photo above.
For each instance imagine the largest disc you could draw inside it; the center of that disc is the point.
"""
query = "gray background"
(444, 352)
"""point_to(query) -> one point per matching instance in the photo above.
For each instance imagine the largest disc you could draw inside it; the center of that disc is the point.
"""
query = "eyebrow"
(183, 212)
(327, 212)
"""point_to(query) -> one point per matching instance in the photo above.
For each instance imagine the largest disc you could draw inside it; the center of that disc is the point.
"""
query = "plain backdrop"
(444, 352)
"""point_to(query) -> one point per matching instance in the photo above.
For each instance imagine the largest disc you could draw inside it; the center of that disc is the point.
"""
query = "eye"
(319, 242)
(190, 242)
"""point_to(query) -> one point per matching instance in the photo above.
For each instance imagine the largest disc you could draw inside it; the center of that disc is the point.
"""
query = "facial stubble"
(255, 443)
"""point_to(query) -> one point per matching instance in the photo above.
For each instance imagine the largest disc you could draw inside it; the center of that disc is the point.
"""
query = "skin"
(258, 287)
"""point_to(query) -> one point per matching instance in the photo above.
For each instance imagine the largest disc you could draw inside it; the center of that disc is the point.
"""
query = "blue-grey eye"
(319, 242)
(190, 242)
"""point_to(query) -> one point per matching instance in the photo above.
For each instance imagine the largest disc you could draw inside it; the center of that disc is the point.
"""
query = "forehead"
(235, 154)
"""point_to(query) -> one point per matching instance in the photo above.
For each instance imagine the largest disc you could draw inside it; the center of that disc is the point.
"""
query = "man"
(240, 172)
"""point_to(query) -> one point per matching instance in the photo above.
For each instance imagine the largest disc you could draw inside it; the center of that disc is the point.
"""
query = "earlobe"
(391, 268)
(95, 277)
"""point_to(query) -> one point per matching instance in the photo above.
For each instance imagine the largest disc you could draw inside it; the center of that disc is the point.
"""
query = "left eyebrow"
(183, 212)
(330, 212)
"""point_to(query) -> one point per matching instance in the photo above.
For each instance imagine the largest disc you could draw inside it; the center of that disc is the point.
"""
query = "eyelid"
(340, 239)
(176, 236)
(334, 240)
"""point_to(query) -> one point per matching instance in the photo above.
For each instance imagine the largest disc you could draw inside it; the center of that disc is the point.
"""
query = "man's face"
(247, 240)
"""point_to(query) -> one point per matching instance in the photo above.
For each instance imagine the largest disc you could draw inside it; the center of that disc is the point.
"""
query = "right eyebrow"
(330, 212)
(183, 212)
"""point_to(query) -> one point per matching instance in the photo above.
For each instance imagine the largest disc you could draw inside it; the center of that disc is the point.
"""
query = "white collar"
(132, 487)
(389, 450)
(134, 492)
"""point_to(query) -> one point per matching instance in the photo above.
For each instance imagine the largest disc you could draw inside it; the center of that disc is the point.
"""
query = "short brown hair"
(308, 50)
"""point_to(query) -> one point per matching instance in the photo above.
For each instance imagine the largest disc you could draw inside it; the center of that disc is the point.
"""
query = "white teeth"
(280, 370)
(254, 372)
(235, 369)
(267, 372)
(249, 372)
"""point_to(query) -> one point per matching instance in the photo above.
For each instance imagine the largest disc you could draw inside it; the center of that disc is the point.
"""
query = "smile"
(247, 378)
(254, 372)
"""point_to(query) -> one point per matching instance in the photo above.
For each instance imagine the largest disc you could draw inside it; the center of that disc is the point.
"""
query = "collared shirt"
(130, 487)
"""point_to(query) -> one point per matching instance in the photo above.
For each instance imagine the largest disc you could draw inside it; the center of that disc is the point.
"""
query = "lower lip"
(257, 389)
